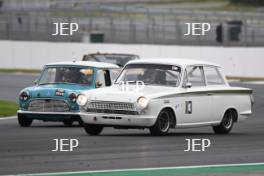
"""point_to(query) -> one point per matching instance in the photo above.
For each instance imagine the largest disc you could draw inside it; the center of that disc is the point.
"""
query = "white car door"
(196, 102)
(214, 82)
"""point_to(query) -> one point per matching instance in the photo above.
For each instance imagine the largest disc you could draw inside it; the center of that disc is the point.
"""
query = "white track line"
(146, 169)
(7, 118)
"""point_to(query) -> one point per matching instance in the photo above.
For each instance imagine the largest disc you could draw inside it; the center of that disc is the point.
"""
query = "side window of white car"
(213, 76)
(195, 76)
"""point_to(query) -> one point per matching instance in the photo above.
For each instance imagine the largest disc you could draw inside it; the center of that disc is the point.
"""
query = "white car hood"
(115, 93)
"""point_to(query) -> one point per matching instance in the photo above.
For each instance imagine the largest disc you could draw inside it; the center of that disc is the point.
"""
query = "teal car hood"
(56, 90)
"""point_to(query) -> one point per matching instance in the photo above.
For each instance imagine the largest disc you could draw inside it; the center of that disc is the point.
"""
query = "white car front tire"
(162, 124)
(92, 129)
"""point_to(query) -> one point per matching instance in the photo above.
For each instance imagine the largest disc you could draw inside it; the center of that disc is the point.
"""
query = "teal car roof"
(101, 65)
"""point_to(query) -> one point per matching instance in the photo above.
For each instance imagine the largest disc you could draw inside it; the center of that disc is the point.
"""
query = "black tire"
(80, 122)
(162, 125)
(67, 123)
(227, 123)
(23, 121)
(93, 129)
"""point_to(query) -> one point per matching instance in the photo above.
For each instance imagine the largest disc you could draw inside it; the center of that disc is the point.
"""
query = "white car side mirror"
(188, 85)
(99, 84)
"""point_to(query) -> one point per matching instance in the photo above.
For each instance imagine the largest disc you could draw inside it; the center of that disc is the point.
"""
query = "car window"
(213, 76)
(151, 74)
(107, 77)
(195, 76)
(67, 75)
(114, 73)
(48, 76)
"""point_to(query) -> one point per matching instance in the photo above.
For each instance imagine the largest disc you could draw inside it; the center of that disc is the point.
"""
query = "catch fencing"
(130, 24)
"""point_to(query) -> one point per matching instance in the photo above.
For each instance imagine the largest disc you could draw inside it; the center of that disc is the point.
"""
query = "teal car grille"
(48, 105)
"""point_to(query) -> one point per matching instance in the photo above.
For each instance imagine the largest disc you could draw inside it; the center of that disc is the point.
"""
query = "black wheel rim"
(164, 122)
(228, 120)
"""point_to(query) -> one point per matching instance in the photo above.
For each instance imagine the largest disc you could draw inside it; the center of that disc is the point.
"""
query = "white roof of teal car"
(172, 61)
(84, 63)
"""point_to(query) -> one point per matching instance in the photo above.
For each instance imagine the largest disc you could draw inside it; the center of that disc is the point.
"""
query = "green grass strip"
(8, 108)
(173, 171)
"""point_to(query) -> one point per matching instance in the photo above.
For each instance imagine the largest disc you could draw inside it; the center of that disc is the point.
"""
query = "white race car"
(160, 94)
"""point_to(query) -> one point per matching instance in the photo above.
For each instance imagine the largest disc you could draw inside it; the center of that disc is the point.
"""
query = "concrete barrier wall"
(236, 61)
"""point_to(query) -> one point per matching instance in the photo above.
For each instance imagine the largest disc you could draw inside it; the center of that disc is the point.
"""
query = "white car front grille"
(111, 107)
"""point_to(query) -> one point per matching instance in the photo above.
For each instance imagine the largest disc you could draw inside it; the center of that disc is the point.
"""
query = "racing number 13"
(188, 107)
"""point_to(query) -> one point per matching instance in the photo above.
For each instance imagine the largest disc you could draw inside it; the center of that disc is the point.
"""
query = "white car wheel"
(162, 125)
(227, 123)
(93, 129)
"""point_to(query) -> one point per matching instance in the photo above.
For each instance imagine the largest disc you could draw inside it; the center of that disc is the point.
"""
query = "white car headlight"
(142, 102)
(82, 100)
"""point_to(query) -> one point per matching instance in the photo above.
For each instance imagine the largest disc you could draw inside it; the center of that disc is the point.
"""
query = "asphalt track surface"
(28, 150)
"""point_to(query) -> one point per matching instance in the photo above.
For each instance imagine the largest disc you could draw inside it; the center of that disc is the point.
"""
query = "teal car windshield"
(68, 75)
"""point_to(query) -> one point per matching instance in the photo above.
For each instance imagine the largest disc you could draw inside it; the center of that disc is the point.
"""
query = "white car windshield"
(69, 75)
(151, 74)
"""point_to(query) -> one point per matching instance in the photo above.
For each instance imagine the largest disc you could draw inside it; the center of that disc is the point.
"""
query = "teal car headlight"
(24, 96)
(73, 97)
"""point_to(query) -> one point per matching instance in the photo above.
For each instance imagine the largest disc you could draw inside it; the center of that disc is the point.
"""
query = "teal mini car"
(53, 98)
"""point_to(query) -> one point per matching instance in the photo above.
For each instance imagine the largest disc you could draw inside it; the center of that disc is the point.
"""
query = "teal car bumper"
(50, 116)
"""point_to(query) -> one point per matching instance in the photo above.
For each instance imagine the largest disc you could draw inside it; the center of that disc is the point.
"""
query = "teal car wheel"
(23, 121)
(80, 122)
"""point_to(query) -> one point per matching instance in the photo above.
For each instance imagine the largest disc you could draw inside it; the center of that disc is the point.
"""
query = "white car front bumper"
(118, 119)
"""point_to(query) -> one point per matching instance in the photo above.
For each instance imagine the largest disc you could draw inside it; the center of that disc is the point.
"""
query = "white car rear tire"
(227, 123)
